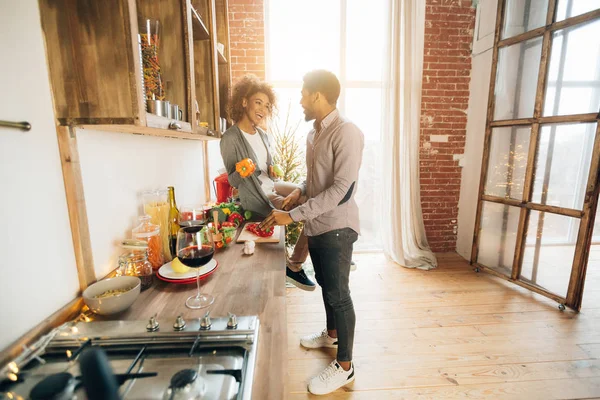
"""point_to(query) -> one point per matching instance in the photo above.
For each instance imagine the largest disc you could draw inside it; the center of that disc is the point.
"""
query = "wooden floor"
(451, 333)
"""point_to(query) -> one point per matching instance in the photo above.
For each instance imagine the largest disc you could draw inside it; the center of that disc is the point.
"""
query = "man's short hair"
(324, 82)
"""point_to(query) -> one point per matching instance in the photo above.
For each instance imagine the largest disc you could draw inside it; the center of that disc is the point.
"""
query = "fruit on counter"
(236, 218)
(247, 214)
(249, 247)
(178, 266)
(255, 229)
(245, 168)
(277, 170)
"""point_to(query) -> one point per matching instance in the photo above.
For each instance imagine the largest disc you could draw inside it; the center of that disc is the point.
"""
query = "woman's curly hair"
(245, 88)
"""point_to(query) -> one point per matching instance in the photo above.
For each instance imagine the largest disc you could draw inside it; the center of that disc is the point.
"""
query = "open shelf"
(157, 132)
(199, 27)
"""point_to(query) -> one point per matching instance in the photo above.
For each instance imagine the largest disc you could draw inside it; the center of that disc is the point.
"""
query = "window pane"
(507, 162)
(573, 85)
(563, 164)
(296, 45)
(549, 251)
(498, 236)
(523, 16)
(516, 80)
(571, 8)
(363, 107)
(365, 39)
(288, 108)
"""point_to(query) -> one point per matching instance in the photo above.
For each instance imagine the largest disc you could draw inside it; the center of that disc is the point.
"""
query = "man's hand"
(276, 218)
(291, 200)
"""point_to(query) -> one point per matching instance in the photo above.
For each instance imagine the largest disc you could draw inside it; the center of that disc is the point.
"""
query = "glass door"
(538, 189)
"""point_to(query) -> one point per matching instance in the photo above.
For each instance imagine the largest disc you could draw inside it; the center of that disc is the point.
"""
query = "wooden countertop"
(243, 285)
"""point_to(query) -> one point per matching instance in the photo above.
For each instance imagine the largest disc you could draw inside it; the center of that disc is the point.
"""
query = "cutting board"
(246, 235)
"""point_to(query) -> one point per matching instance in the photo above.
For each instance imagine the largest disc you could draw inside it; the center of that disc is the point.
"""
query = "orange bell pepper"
(245, 168)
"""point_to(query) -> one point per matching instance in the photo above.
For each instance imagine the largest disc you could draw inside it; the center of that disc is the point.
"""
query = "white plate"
(167, 272)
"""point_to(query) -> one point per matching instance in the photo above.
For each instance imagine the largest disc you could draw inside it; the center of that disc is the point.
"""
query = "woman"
(251, 104)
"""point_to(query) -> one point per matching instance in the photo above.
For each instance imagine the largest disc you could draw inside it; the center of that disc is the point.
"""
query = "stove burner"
(183, 378)
(185, 385)
(55, 386)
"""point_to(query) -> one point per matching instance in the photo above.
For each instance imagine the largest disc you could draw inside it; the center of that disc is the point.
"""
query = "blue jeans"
(331, 254)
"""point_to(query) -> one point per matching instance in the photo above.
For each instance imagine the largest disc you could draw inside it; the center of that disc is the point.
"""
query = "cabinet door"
(94, 61)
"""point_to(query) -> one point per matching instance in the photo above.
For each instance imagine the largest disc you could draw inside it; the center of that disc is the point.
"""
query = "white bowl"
(112, 304)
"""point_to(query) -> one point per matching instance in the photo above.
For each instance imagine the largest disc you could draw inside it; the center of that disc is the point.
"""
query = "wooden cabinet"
(211, 61)
(96, 72)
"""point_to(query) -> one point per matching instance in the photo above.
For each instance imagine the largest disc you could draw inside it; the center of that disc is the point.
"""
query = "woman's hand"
(275, 171)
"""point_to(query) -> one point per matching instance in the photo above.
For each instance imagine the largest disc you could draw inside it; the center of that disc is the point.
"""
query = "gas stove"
(158, 359)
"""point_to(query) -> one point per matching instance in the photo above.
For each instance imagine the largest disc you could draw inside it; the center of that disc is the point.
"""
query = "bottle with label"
(173, 222)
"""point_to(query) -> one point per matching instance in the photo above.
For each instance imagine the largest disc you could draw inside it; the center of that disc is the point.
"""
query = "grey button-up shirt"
(333, 158)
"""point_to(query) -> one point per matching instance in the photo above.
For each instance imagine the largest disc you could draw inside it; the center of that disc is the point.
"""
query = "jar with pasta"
(150, 233)
(157, 207)
(134, 262)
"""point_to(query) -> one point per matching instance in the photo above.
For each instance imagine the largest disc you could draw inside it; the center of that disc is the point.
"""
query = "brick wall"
(446, 74)
(247, 37)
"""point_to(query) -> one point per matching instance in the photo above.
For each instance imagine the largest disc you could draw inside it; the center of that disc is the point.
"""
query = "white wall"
(476, 118)
(215, 163)
(116, 168)
(37, 265)
(38, 273)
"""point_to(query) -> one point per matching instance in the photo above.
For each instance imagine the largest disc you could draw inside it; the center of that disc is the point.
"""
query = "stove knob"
(205, 323)
(179, 324)
(152, 324)
(232, 323)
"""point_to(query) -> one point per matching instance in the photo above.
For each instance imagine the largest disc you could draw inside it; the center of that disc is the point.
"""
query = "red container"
(222, 188)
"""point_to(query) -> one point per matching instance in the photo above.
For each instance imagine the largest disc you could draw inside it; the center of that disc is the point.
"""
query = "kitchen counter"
(243, 285)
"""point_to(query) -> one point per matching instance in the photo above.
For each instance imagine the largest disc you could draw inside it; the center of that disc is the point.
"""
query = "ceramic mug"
(176, 112)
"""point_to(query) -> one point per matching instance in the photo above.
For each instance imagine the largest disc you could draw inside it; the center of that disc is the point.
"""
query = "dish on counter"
(124, 289)
(167, 272)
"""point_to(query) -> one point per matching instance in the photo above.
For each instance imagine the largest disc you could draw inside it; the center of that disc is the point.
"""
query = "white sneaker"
(318, 340)
(332, 378)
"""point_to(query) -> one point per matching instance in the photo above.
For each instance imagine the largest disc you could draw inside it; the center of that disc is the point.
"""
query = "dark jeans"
(331, 254)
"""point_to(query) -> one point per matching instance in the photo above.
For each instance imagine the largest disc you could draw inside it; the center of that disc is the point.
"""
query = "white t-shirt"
(257, 144)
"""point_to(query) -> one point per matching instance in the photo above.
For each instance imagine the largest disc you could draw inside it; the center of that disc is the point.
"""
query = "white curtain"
(403, 232)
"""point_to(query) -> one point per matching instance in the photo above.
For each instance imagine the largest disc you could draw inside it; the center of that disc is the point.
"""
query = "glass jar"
(150, 233)
(157, 207)
(134, 262)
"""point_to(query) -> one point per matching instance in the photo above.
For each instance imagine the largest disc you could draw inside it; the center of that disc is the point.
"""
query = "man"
(333, 157)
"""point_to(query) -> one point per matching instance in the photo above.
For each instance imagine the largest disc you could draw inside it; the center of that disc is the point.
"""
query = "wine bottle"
(173, 222)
